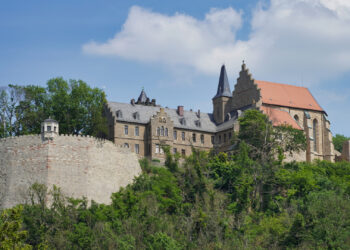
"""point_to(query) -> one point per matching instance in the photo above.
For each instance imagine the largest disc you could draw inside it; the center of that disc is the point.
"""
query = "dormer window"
(119, 114)
(227, 117)
(198, 123)
(136, 116)
(183, 121)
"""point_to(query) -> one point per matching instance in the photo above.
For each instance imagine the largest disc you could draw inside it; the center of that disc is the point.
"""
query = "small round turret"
(49, 129)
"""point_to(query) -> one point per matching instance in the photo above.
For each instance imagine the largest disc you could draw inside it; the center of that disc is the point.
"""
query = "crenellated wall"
(80, 166)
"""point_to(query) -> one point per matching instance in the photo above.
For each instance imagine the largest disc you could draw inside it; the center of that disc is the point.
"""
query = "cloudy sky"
(174, 49)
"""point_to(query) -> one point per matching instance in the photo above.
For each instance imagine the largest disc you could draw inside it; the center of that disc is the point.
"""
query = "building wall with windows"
(181, 129)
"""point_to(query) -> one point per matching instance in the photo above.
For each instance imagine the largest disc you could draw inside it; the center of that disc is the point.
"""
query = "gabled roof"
(280, 117)
(146, 112)
(223, 86)
(287, 95)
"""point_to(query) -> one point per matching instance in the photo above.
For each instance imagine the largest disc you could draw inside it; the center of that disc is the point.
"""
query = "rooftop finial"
(243, 65)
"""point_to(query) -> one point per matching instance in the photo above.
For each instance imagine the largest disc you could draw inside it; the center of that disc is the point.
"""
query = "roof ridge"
(263, 81)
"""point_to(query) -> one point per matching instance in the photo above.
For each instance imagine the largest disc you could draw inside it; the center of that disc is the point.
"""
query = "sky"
(174, 49)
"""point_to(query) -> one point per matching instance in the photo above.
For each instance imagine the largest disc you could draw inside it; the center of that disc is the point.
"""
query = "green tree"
(11, 234)
(338, 141)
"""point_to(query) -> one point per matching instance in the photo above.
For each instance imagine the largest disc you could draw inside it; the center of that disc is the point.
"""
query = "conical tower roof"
(142, 98)
(224, 86)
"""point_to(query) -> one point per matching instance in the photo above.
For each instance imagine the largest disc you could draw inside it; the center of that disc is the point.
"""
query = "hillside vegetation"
(250, 200)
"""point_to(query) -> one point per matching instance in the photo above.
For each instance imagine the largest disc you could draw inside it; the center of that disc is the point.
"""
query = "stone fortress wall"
(80, 166)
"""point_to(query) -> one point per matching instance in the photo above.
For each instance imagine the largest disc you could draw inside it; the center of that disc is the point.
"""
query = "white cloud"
(294, 41)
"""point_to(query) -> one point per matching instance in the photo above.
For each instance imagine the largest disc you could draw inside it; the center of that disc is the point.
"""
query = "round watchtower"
(49, 129)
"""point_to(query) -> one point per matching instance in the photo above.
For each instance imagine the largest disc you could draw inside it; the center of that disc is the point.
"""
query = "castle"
(143, 126)
(79, 165)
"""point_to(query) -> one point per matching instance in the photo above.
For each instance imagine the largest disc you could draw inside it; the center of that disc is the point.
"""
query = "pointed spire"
(143, 97)
(224, 86)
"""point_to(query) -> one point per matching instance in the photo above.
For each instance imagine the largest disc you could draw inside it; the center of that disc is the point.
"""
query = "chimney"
(180, 110)
(153, 102)
(199, 113)
(132, 102)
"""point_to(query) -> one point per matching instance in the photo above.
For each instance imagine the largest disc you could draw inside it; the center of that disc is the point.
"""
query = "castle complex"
(143, 126)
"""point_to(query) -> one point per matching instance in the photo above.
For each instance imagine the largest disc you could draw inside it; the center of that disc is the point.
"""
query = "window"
(137, 148)
(126, 145)
(175, 135)
(219, 138)
(194, 137)
(212, 139)
(49, 128)
(158, 131)
(315, 124)
(137, 131)
(162, 131)
(166, 131)
(183, 152)
(174, 150)
(229, 135)
(126, 129)
(136, 116)
(296, 118)
(119, 114)
(202, 139)
(224, 137)
(157, 148)
(183, 136)
(161, 150)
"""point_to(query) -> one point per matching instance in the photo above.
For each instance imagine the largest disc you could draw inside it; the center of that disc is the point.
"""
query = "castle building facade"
(143, 126)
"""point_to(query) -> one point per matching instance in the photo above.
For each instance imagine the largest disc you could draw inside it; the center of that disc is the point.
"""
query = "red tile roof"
(279, 117)
(287, 95)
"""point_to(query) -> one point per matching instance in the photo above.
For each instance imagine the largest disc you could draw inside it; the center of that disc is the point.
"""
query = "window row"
(136, 131)
(136, 147)
(159, 150)
(194, 137)
(224, 138)
(161, 131)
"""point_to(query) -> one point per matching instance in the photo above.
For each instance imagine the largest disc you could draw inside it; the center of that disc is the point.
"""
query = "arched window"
(158, 131)
(296, 117)
(126, 145)
(315, 134)
(166, 131)
(162, 131)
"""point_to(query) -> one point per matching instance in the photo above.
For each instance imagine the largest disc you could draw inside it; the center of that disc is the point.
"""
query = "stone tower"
(49, 129)
(222, 99)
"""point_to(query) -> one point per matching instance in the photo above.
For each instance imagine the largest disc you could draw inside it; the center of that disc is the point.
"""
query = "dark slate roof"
(146, 112)
(142, 98)
(224, 85)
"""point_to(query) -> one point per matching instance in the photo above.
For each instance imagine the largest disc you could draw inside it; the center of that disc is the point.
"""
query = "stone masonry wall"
(80, 166)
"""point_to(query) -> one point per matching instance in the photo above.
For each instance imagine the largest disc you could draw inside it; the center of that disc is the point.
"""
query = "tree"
(11, 234)
(338, 141)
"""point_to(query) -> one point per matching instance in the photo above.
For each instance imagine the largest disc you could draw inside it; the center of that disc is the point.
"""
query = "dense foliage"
(209, 201)
(75, 105)
(338, 141)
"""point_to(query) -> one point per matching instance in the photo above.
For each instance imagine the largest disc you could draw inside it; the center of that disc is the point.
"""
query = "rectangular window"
(49, 128)
(212, 139)
(183, 152)
(126, 129)
(229, 135)
(137, 148)
(157, 148)
(194, 137)
(174, 150)
(137, 131)
(161, 150)
(183, 136)
(175, 135)
(224, 137)
(202, 139)
(219, 138)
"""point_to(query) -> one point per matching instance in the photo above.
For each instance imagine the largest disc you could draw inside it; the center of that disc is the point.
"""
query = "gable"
(279, 117)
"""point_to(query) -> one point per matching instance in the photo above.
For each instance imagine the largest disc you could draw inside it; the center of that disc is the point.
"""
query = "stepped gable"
(287, 95)
(280, 117)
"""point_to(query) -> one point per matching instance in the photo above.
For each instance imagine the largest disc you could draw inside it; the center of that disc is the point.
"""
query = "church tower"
(222, 99)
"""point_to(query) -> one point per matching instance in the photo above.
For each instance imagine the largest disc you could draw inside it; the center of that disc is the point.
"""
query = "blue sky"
(174, 49)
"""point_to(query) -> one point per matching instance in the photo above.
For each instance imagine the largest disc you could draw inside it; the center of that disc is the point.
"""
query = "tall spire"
(224, 86)
(143, 97)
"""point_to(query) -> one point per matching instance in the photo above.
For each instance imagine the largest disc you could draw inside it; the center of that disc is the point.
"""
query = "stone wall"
(80, 166)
